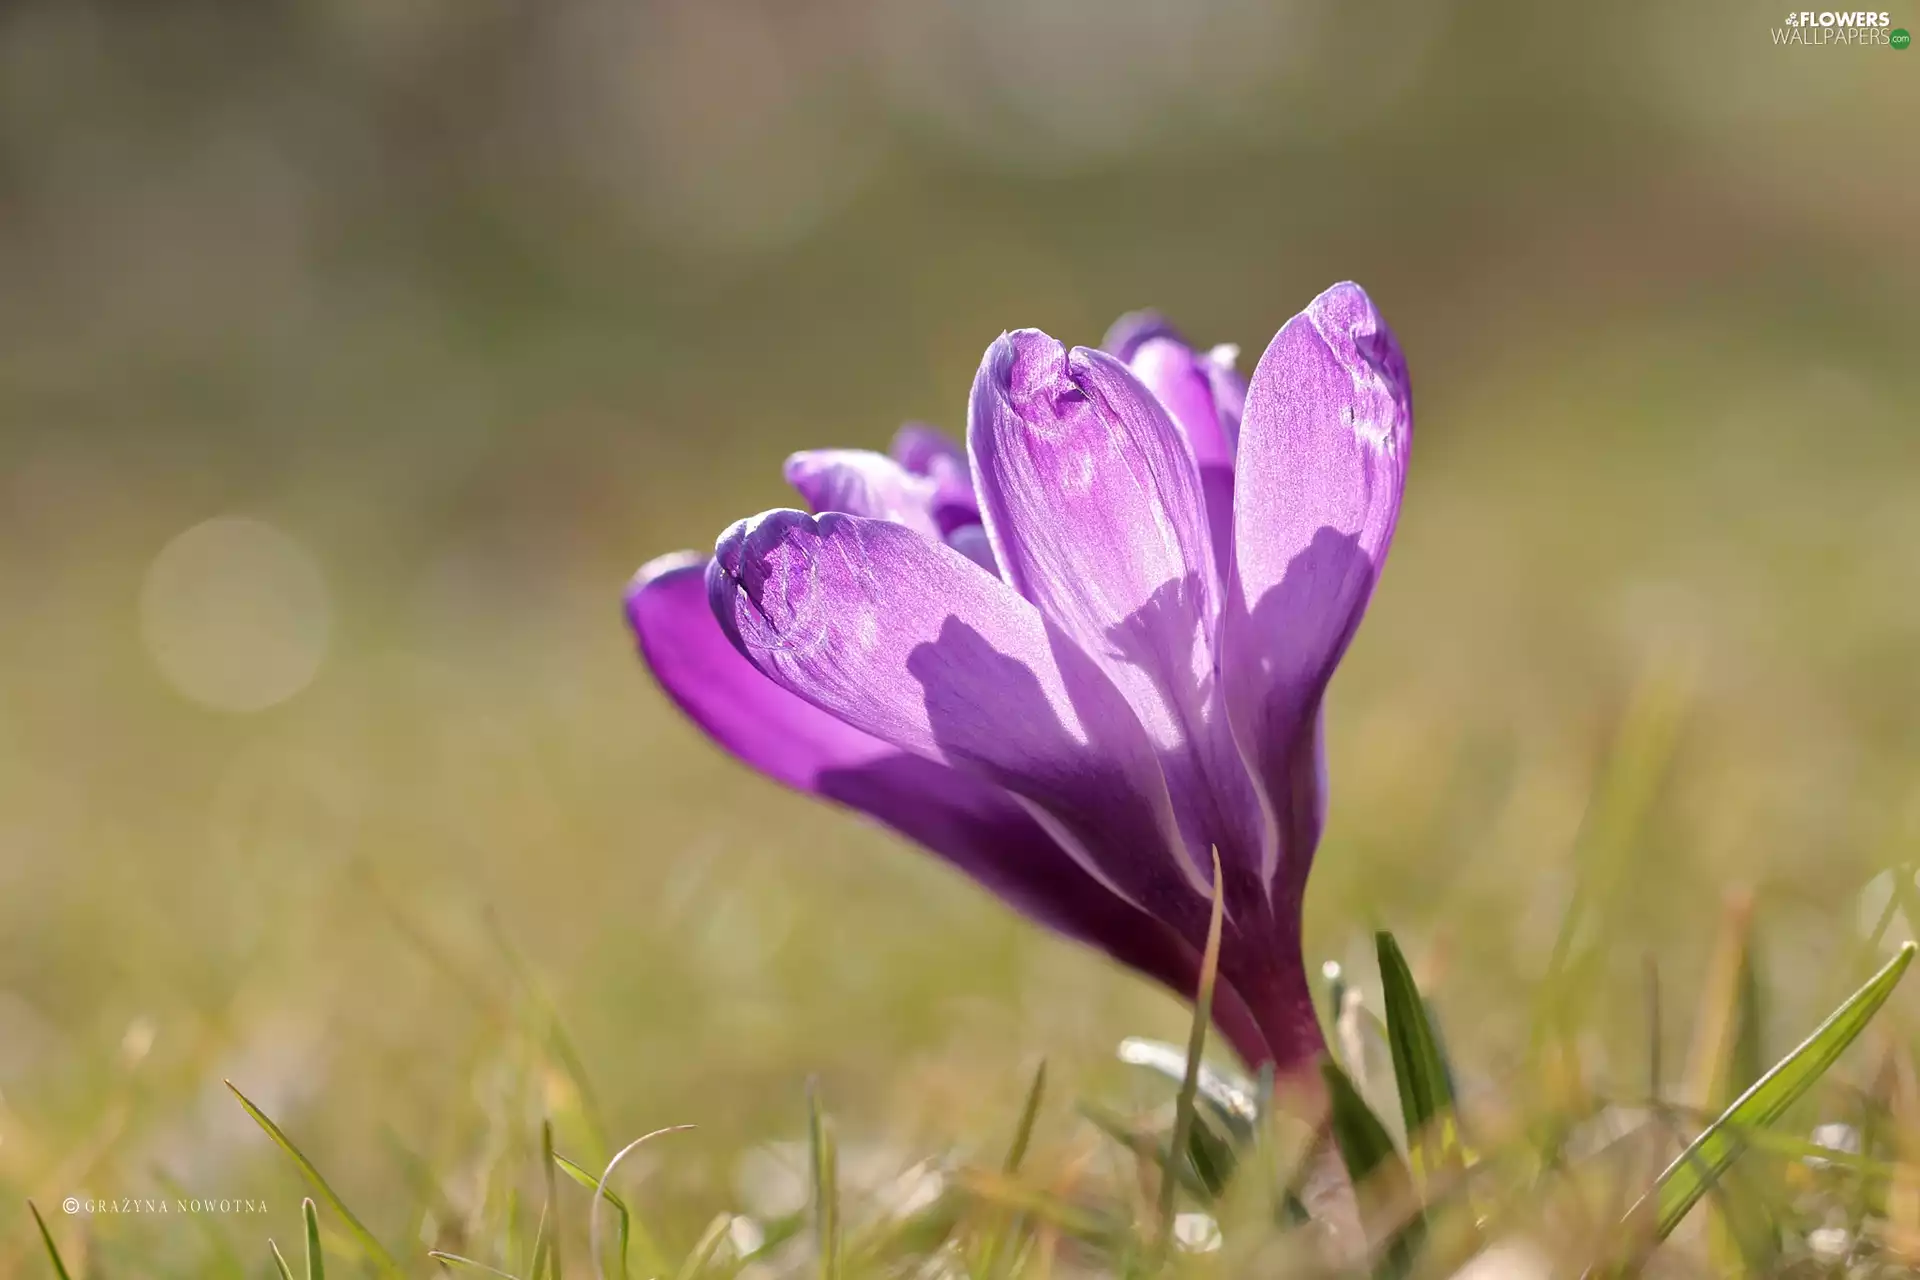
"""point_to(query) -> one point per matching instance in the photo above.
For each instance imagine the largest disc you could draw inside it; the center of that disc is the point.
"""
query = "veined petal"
(1221, 367)
(783, 736)
(1094, 507)
(972, 824)
(1204, 395)
(970, 540)
(1182, 380)
(863, 483)
(1319, 473)
(1134, 329)
(918, 446)
(1201, 389)
(927, 451)
(902, 638)
(935, 502)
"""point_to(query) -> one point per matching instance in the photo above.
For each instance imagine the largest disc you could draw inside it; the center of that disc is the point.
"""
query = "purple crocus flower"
(1082, 655)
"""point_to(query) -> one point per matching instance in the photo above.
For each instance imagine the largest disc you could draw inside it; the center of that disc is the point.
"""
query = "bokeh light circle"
(236, 614)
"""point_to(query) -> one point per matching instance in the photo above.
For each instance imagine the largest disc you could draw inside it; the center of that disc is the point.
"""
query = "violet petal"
(1093, 503)
(862, 483)
(1319, 473)
(903, 638)
(975, 826)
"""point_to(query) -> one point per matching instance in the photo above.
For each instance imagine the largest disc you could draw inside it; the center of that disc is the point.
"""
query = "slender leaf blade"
(443, 1257)
(369, 1244)
(592, 1183)
(1419, 1070)
(1146, 1146)
(1379, 1175)
(552, 1211)
(1029, 1114)
(826, 1185)
(1688, 1178)
(996, 1257)
(541, 1244)
(46, 1238)
(1363, 1141)
(316, 1264)
(705, 1247)
(1231, 1099)
(1183, 1114)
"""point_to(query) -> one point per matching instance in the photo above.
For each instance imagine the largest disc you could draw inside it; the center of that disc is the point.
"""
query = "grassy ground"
(413, 854)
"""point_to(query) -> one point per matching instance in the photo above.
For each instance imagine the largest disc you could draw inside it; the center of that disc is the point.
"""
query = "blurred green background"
(450, 313)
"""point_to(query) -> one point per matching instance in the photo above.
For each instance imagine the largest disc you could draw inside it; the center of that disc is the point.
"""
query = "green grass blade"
(600, 1192)
(624, 1234)
(1636, 768)
(1212, 1156)
(917, 1235)
(46, 1238)
(1379, 1175)
(1145, 1146)
(997, 1256)
(587, 1180)
(554, 1031)
(1636, 765)
(826, 1184)
(553, 1200)
(1196, 1042)
(1419, 1070)
(1745, 1059)
(704, 1248)
(280, 1261)
(442, 1257)
(1363, 1141)
(316, 1264)
(1029, 1113)
(1232, 1100)
(1698, 1167)
(540, 1244)
(1654, 1023)
(375, 1251)
(428, 1202)
(777, 1231)
(1078, 1221)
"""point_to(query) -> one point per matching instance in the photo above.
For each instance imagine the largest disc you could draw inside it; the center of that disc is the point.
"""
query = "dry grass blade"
(1196, 1042)
(443, 1257)
(826, 1184)
(601, 1194)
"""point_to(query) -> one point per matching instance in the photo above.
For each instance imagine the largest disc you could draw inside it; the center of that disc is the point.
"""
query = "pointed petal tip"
(1133, 330)
(735, 535)
(661, 566)
(1353, 331)
(1022, 367)
(758, 583)
(918, 445)
(650, 575)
